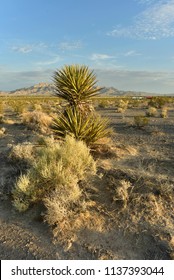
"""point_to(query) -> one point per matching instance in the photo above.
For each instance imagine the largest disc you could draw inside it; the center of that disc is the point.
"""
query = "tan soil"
(26, 236)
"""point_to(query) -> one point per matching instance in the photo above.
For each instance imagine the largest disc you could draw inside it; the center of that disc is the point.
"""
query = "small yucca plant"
(75, 84)
(88, 128)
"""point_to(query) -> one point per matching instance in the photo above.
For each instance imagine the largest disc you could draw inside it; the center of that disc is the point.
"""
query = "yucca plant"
(88, 128)
(75, 84)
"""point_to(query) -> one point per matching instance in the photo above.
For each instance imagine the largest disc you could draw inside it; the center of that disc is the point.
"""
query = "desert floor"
(138, 226)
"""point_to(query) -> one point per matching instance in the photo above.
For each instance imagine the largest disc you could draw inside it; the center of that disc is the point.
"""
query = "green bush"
(55, 168)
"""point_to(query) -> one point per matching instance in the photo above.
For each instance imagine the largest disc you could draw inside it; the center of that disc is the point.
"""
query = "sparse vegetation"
(95, 209)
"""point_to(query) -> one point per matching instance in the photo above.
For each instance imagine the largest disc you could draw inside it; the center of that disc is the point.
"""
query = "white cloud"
(49, 62)
(23, 49)
(155, 22)
(27, 48)
(68, 46)
(132, 53)
(98, 56)
(148, 2)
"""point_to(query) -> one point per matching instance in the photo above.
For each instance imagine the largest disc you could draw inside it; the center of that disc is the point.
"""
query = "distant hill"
(48, 89)
(38, 89)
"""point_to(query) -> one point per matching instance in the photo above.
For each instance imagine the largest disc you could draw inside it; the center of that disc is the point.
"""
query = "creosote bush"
(57, 168)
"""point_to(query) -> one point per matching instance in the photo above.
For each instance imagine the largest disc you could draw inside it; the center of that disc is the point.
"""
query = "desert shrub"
(157, 102)
(55, 169)
(22, 152)
(37, 120)
(69, 216)
(37, 107)
(164, 112)
(1, 107)
(122, 105)
(140, 121)
(120, 193)
(88, 128)
(18, 107)
(2, 131)
(103, 103)
(1, 119)
(151, 112)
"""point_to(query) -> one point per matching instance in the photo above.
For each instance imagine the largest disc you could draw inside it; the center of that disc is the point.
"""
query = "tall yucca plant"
(76, 84)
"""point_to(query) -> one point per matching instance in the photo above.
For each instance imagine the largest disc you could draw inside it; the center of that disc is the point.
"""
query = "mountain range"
(48, 89)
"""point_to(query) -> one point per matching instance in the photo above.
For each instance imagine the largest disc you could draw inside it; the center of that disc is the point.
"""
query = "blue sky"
(128, 43)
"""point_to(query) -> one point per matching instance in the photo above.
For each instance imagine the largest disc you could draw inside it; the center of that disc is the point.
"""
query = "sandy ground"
(26, 236)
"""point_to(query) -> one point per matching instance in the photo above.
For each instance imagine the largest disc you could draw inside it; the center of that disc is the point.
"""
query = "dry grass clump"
(2, 131)
(122, 106)
(54, 180)
(19, 107)
(151, 112)
(71, 217)
(140, 121)
(141, 198)
(37, 120)
(1, 119)
(164, 112)
(22, 152)
(121, 194)
(1, 108)
(104, 103)
(55, 169)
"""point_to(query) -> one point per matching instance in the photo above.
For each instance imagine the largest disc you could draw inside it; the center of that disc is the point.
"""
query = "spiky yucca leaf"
(75, 84)
(88, 128)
